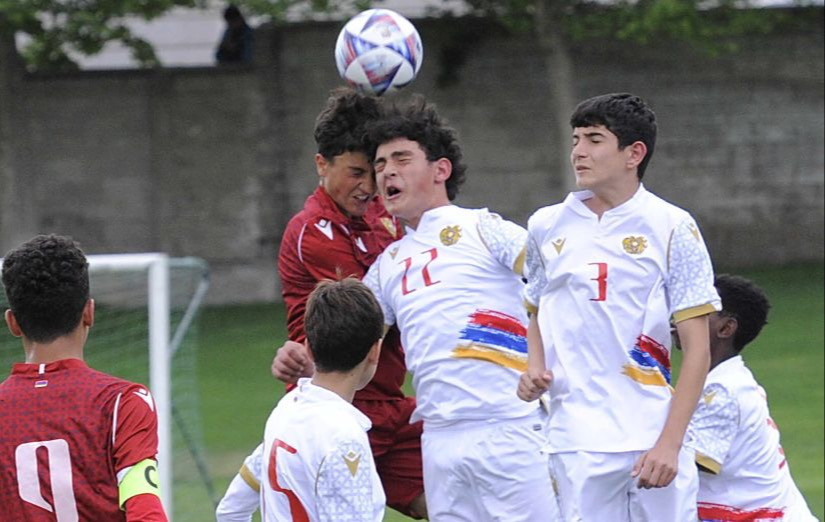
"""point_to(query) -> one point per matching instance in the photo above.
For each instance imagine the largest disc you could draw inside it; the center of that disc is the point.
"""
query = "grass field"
(237, 391)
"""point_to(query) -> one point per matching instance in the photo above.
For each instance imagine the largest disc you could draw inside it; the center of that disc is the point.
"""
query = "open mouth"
(391, 191)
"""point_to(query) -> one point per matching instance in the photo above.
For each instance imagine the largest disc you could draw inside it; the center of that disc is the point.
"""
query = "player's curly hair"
(340, 127)
(419, 121)
(625, 115)
(46, 280)
(745, 302)
(343, 320)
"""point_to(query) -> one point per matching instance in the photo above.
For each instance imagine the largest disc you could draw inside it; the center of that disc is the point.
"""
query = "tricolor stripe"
(709, 512)
(495, 329)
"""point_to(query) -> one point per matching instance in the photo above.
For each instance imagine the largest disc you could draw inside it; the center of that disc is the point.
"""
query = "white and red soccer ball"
(378, 50)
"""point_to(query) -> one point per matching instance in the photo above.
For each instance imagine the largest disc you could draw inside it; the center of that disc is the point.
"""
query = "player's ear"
(375, 352)
(727, 327)
(88, 317)
(443, 169)
(636, 153)
(11, 322)
(309, 351)
(321, 164)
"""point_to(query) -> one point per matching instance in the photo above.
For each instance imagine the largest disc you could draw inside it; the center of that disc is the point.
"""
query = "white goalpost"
(145, 307)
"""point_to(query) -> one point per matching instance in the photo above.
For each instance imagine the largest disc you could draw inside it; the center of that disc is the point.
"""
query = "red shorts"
(396, 447)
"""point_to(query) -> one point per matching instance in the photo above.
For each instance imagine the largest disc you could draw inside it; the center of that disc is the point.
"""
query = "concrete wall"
(212, 162)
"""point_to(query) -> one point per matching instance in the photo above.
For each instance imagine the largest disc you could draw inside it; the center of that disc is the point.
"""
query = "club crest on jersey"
(450, 235)
(352, 460)
(389, 225)
(634, 244)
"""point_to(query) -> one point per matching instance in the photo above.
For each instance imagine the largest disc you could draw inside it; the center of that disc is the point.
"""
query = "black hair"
(342, 322)
(340, 127)
(417, 120)
(625, 115)
(46, 280)
(745, 302)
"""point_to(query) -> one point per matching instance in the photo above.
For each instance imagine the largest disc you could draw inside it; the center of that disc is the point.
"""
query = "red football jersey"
(320, 242)
(65, 432)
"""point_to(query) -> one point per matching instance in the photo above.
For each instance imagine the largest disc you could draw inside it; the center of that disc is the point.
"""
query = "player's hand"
(292, 362)
(657, 467)
(533, 383)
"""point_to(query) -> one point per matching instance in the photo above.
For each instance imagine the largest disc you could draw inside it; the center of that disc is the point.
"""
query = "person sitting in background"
(743, 471)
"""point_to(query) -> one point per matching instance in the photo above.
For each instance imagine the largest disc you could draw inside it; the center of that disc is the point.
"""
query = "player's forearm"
(535, 347)
(694, 338)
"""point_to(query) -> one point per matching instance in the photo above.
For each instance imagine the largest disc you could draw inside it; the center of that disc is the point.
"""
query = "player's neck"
(342, 384)
(717, 357)
(609, 197)
(69, 346)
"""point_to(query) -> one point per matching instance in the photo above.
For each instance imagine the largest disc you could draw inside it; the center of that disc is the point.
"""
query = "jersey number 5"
(296, 509)
(425, 272)
(59, 472)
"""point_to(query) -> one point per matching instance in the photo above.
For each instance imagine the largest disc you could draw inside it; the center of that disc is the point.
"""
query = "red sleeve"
(309, 253)
(135, 427)
(145, 508)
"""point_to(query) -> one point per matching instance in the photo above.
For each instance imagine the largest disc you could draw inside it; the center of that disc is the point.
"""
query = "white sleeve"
(690, 274)
(505, 240)
(238, 503)
(536, 277)
(373, 282)
(344, 483)
(713, 427)
(242, 496)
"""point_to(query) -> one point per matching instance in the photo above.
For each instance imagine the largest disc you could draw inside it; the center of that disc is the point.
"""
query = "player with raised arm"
(743, 474)
(608, 268)
(452, 285)
(340, 231)
(75, 443)
(317, 465)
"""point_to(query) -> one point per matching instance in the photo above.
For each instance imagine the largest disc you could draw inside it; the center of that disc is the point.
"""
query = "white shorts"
(479, 471)
(596, 487)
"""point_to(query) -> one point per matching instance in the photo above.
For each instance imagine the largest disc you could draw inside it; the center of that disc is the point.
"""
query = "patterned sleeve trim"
(344, 484)
(696, 311)
(504, 239)
(708, 464)
(536, 279)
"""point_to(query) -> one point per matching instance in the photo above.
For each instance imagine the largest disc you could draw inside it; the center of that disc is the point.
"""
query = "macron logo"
(146, 396)
(325, 226)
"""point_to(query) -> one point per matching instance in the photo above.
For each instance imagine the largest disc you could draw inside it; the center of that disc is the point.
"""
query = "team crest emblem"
(389, 225)
(634, 244)
(450, 235)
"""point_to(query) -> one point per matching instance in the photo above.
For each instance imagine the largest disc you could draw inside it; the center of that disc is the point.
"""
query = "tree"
(710, 27)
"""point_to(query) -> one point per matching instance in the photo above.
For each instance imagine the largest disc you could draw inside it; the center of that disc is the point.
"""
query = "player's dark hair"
(340, 127)
(342, 322)
(625, 115)
(745, 302)
(232, 13)
(46, 280)
(417, 120)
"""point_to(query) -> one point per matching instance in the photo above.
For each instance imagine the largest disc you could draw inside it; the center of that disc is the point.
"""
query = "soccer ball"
(378, 50)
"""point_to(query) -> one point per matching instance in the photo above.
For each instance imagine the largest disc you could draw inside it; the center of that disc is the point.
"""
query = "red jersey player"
(339, 232)
(75, 443)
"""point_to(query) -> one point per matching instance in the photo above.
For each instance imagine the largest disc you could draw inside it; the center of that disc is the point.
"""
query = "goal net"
(146, 308)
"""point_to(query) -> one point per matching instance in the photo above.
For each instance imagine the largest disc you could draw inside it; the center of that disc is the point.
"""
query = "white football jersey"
(605, 291)
(452, 287)
(317, 461)
(242, 496)
(737, 442)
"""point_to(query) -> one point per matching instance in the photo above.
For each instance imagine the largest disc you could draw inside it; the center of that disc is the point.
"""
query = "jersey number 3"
(60, 476)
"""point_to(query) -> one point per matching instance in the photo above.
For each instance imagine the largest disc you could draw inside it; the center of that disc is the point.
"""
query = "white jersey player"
(743, 471)
(608, 267)
(317, 463)
(451, 285)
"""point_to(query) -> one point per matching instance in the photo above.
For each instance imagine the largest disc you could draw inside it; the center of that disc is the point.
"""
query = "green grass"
(238, 392)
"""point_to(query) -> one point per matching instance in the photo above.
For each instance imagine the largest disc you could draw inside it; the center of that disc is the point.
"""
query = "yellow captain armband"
(139, 479)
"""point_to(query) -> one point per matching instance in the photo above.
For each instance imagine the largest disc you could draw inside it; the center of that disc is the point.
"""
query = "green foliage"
(58, 28)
